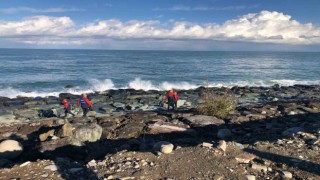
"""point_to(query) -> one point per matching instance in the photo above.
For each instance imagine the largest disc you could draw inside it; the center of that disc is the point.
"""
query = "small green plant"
(215, 103)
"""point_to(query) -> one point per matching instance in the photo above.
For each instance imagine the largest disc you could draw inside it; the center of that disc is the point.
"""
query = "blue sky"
(161, 24)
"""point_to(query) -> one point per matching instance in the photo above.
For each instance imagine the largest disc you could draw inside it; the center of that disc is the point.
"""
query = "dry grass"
(216, 104)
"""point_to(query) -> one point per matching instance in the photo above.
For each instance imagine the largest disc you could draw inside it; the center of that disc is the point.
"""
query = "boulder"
(10, 149)
(222, 145)
(181, 102)
(91, 114)
(67, 129)
(163, 146)
(202, 120)
(164, 127)
(87, 132)
(44, 136)
(286, 174)
(166, 148)
(27, 113)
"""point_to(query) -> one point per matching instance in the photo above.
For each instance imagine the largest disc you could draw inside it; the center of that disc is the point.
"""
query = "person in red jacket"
(176, 98)
(85, 104)
(171, 100)
(67, 107)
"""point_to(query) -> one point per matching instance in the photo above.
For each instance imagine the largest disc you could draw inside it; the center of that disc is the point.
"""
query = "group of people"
(84, 102)
(86, 105)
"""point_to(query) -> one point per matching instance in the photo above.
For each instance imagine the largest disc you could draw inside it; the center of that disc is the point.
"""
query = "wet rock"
(118, 105)
(224, 133)
(201, 120)
(10, 149)
(27, 113)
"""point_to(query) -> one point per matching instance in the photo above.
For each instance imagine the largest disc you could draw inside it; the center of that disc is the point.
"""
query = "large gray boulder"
(10, 149)
(87, 132)
(202, 120)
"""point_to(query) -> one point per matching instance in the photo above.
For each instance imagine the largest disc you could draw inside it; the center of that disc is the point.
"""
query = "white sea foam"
(103, 85)
(140, 84)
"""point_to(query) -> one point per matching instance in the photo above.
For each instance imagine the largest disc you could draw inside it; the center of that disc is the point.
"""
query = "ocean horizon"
(46, 72)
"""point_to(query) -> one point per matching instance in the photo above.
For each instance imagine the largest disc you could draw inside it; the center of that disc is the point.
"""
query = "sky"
(237, 25)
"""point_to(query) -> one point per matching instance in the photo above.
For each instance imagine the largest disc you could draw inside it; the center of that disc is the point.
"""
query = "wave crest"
(140, 84)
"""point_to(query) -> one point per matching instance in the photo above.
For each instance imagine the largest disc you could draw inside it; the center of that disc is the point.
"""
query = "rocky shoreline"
(274, 133)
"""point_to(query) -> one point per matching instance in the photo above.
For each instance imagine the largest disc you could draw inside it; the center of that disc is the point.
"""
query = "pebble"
(92, 163)
(222, 145)
(259, 167)
(25, 164)
(245, 158)
(250, 177)
(286, 174)
(52, 167)
(208, 145)
(45, 175)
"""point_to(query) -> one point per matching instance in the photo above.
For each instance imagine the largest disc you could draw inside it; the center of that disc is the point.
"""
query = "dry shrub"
(216, 104)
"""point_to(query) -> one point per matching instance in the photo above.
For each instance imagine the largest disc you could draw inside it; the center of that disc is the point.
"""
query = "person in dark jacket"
(170, 97)
(67, 107)
(85, 103)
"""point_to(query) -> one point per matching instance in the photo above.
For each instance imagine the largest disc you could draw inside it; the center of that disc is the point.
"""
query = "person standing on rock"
(85, 104)
(171, 100)
(67, 108)
(176, 98)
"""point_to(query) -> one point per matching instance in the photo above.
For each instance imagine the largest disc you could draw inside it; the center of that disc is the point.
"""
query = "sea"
(41, 72)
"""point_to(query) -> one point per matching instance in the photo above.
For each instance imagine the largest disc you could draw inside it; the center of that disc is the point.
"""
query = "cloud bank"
(263, 27)
(33, 10)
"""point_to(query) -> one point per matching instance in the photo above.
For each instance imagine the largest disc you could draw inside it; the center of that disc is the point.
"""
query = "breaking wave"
(96, 85)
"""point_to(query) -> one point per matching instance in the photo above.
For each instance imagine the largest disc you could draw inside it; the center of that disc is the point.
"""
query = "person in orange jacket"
(171, 100)
(85, 104)
(176, 98)
(67, 107)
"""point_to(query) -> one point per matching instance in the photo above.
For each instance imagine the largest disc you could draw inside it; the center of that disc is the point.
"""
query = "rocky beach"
(273, 133)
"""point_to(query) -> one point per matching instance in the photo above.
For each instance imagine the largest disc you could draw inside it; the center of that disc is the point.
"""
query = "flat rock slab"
(201, 121)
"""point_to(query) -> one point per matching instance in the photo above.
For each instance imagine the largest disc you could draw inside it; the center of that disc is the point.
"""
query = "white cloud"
(264, 27)
(33, 10)
(204, 8)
